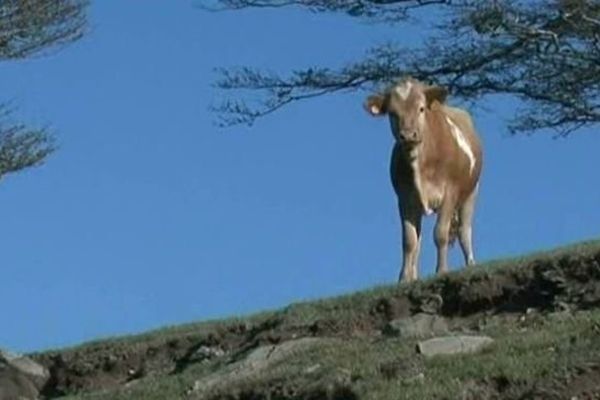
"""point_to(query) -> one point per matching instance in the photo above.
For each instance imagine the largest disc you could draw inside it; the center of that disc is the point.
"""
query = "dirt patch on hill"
(287, 392)
(581, 383)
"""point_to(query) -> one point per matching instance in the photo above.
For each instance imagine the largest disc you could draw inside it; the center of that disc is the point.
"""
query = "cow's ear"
(435, 93)
(376, 105)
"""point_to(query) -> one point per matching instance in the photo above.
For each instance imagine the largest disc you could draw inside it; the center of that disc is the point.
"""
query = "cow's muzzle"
(410, 139)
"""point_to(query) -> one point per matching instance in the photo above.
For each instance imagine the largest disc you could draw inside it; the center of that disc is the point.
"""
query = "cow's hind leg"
(465, 230)
(411, 242)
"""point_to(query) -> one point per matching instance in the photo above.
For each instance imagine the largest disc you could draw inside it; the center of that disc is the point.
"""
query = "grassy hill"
(543, 312)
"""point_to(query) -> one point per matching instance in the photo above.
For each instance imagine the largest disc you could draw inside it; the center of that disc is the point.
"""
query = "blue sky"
(149, 215)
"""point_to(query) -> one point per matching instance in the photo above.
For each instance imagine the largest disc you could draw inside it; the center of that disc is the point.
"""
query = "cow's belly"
(432, 196)
(427, 193)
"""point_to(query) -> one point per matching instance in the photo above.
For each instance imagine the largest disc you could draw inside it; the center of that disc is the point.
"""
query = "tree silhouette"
(29, 28)
(545, 53)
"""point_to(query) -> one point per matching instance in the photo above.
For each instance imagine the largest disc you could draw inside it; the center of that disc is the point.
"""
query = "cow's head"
(406, 103)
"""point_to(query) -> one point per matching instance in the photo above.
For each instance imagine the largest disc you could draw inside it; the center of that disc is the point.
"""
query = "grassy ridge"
(542, 310)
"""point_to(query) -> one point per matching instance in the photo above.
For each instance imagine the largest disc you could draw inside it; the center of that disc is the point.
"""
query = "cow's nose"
(410, 136)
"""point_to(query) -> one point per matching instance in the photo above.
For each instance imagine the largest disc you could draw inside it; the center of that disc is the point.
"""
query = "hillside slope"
(542, 312)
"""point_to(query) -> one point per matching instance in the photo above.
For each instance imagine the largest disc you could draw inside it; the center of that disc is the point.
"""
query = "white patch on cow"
(462, 142)
(418, 182)
(403, 90)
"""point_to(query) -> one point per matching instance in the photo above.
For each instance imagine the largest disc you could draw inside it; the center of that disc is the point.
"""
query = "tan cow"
(435, 167)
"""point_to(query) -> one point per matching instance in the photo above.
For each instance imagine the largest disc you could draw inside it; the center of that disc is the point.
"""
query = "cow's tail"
(454, 227)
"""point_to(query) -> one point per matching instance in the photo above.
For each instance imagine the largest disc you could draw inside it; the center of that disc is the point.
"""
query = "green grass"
(549, 348)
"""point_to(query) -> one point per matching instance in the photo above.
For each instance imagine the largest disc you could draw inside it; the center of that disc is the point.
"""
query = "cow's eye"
(422, 109)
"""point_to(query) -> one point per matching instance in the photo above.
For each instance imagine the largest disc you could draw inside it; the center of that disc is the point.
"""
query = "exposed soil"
(567, 282)
(582, 384)
(287, 392)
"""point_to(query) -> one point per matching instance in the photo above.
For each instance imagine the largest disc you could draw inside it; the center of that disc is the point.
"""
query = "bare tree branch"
(21, 147)
(29, 28)
(379, 10)
(546, 53)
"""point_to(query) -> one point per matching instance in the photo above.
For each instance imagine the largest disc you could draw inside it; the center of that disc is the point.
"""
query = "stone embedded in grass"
(206, 353)
(417, 379)
(419, 325)
(312, 369)
(431, 303)
(453, 345)
(20, 377)
(255, 362)
(25, 365)
(14, 385)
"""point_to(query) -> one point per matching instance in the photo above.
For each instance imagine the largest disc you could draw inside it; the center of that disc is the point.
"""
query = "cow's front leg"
(442, 235)
(411, 241)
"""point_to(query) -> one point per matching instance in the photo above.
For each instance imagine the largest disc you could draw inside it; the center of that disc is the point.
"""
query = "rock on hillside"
(20, 377)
